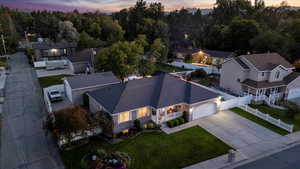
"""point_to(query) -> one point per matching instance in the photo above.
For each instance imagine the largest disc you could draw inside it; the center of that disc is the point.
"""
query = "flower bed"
(103, 160)
(176, 122)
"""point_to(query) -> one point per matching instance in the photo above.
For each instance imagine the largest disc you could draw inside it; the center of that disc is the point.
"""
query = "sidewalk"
(249, 154)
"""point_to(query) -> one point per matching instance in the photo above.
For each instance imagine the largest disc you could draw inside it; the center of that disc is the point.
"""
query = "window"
(263, 74)
(277, 75)
(143, 112)
(124, 117)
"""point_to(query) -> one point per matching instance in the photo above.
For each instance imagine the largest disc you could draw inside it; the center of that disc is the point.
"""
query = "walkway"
(24, 144)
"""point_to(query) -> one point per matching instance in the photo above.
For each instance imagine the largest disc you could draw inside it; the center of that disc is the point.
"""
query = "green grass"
(51, 80)
(160, 67)
(278, 114)
(2, 62)
(259, 121)
(158, 150)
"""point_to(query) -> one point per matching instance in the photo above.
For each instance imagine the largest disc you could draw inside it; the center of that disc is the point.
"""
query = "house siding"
(231, 72)
(283, 74)
(118, 127)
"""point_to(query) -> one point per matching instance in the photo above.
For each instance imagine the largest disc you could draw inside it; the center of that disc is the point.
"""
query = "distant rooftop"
(48, 45)
(92, 80)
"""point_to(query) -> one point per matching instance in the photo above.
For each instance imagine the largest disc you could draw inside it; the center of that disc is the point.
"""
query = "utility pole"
(3, 42)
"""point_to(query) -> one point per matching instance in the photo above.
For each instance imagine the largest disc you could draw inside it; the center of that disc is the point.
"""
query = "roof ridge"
(188, 92)
(123, 89)
(161, 82)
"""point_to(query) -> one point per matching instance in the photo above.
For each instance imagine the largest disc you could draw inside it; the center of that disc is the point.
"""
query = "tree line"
(135, 38)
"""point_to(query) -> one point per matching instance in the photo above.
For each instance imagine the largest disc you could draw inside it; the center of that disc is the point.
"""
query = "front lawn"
(51, 80)
(278, 114)
(259, 121)
(160, 67)
(2, 62)
(158, 150)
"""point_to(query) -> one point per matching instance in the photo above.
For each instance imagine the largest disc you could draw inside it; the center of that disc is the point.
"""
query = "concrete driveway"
(236, 130)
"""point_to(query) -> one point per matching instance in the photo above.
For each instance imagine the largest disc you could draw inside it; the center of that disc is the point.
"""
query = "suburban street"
(287, 159)
(24, 143)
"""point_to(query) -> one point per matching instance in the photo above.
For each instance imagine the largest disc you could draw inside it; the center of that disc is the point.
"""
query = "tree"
(240, 32)
(95, 30)
(146, 67)
(268, 42)
(67, 32)
(68, 121)
(86, 41)
(112, 31)
(158, 51)
(142, 40)
(121, 58)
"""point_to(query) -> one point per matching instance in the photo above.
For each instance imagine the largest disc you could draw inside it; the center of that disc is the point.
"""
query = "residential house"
(268, 77)
(83, 61)
(159, 99)
(77, 86)
(45, 51)
(205, 57)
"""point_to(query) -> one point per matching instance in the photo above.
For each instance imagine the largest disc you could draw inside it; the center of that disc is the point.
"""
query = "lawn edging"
(259, 121)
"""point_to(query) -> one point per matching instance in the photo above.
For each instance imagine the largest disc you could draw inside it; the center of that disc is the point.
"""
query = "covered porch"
(165, 114)
(268, 94)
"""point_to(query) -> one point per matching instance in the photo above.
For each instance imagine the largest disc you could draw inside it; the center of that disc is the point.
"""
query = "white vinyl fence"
(208, 69)
(234, 102)
(268, 118)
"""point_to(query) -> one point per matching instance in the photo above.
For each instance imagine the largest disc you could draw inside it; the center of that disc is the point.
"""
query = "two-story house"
(268, 77)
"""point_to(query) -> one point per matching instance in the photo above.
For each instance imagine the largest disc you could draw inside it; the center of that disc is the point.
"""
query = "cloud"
(115, 5)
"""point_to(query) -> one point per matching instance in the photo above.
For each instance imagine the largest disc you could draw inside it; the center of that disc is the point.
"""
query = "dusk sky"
(114, 5)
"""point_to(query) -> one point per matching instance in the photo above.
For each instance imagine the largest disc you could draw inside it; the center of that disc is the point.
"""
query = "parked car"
(54, 96)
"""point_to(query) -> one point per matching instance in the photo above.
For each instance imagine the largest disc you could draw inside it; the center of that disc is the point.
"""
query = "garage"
(203, 110)
(294, 93)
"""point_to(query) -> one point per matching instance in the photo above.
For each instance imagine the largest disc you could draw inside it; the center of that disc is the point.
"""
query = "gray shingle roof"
(59, 45)
(267, 61)
(92, 80)
(158, 91)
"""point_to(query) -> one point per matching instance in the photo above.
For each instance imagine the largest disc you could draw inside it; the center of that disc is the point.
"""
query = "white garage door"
(294, 93)
(204, 110)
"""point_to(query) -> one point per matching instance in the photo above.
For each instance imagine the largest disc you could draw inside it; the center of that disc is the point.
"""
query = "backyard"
(52, 80)
(259, 121)
(157, 150)
(279, 114)
(160, 67)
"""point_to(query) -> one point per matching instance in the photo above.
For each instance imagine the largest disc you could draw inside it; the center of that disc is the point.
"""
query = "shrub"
(83, 164)
(170, 123)
(176, 122)
(150, 125)
(101, 153)
(137, 124)
(181, 120)
(199, 73)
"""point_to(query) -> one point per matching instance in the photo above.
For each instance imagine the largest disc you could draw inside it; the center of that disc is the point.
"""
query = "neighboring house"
(269, 77)
(45, 51)
(206, 57)
(83, 61)
(159, 99)
(77, 86)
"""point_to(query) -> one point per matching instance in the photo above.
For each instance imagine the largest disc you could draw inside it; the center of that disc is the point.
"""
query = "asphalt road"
(24, 143)
(287, 159)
